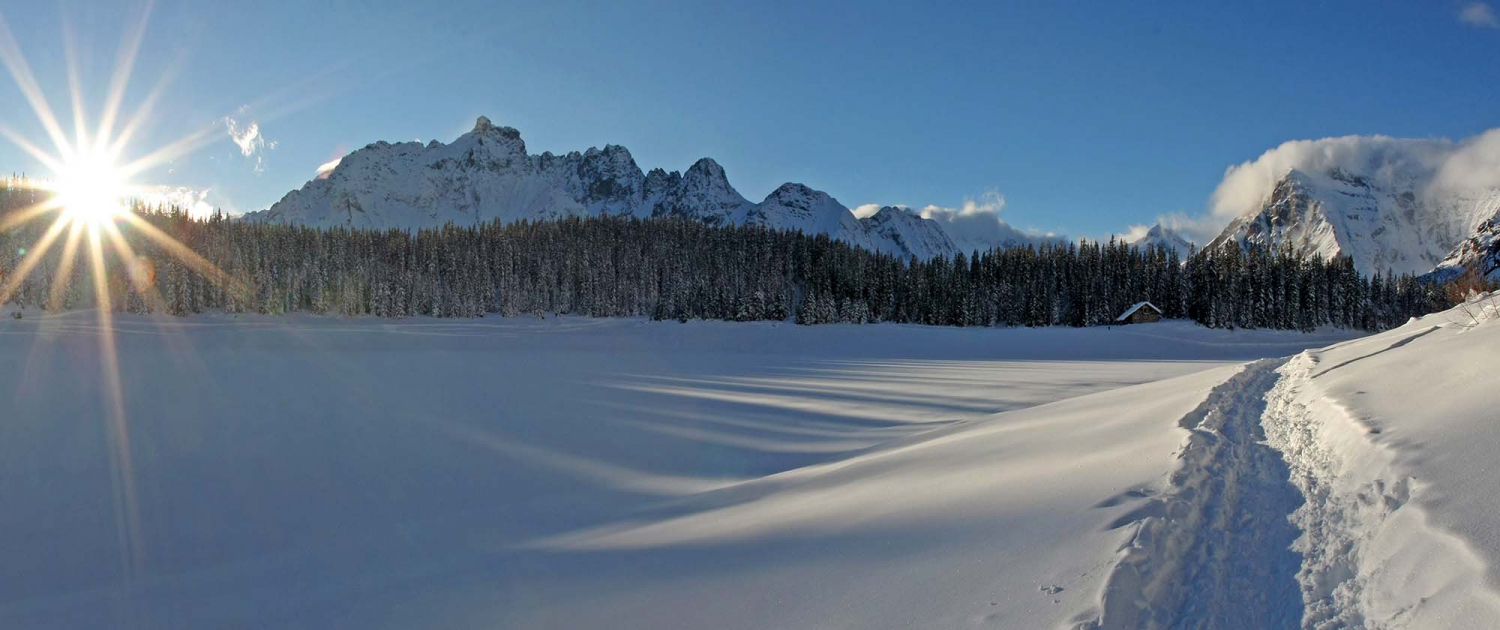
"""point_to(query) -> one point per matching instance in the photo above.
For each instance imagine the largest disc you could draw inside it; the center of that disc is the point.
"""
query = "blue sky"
(1086, 117)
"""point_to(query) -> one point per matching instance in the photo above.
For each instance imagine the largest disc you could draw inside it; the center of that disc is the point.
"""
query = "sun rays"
(87, 195)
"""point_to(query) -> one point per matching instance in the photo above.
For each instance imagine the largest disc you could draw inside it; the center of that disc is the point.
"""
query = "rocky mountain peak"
(659, 182)
(704, 194)
(887, 214)
(708, 172)
(793, 192)
(798, 196)
(484, 131)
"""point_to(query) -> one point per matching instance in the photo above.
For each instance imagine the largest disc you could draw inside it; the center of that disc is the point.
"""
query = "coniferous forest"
(678, 269)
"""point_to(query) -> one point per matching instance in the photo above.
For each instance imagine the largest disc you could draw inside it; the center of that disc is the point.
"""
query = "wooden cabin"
(1141, 313)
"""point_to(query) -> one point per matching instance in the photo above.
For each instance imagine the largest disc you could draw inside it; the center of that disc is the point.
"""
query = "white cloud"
(1133, 233)
(865, 210)
(1474, 164)
(326, 168)
(1479, 14)
(986, 209)
(194, 202)
(975, 225)
(248, 140)
(248, 137)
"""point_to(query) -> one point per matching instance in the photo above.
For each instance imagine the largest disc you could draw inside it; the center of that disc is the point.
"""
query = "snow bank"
(1392, 439)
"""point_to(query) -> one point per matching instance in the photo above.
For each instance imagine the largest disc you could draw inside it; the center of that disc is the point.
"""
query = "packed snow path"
(1215, 550)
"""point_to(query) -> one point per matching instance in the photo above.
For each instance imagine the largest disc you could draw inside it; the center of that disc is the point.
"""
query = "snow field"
(304, 472)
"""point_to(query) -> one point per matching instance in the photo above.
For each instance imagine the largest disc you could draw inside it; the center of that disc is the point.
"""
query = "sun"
(90, 189)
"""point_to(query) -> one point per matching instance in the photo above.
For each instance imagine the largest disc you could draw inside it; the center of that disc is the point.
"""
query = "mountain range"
(1386, 215)
(487, 175)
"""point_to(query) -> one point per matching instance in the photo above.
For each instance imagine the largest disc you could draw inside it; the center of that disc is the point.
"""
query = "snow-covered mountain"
(1162, 236)
(1389, 220)
(702, 194)
(487, 175)
(903, 233)
(797, 207)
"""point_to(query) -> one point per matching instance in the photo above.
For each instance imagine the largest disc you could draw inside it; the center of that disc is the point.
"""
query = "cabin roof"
(1131, 311)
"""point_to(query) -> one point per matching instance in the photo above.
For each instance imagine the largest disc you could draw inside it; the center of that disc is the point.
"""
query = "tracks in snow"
(1215, 549)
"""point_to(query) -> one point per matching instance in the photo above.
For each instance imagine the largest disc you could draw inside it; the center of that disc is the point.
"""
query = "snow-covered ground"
(316, 472)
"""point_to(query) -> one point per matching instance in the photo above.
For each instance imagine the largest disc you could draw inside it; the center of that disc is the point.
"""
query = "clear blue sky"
(1086, 116)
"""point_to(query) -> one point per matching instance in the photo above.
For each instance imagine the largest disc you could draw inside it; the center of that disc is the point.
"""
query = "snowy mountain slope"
(1389, 220)
(1161, 236)
(487, 175)
(797, 207)
(298, 472)
(902, 233)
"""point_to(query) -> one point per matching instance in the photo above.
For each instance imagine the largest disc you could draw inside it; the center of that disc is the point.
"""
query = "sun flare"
(90, 189)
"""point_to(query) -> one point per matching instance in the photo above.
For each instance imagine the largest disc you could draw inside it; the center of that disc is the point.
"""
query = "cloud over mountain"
(1437, 167)
(1246, 185)
(976, 224)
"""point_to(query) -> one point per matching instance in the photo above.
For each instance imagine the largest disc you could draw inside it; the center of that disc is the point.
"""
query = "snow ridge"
(1333, 527)
(1213, 551)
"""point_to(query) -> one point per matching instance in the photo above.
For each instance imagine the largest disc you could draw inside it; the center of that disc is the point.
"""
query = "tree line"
(682, 270)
